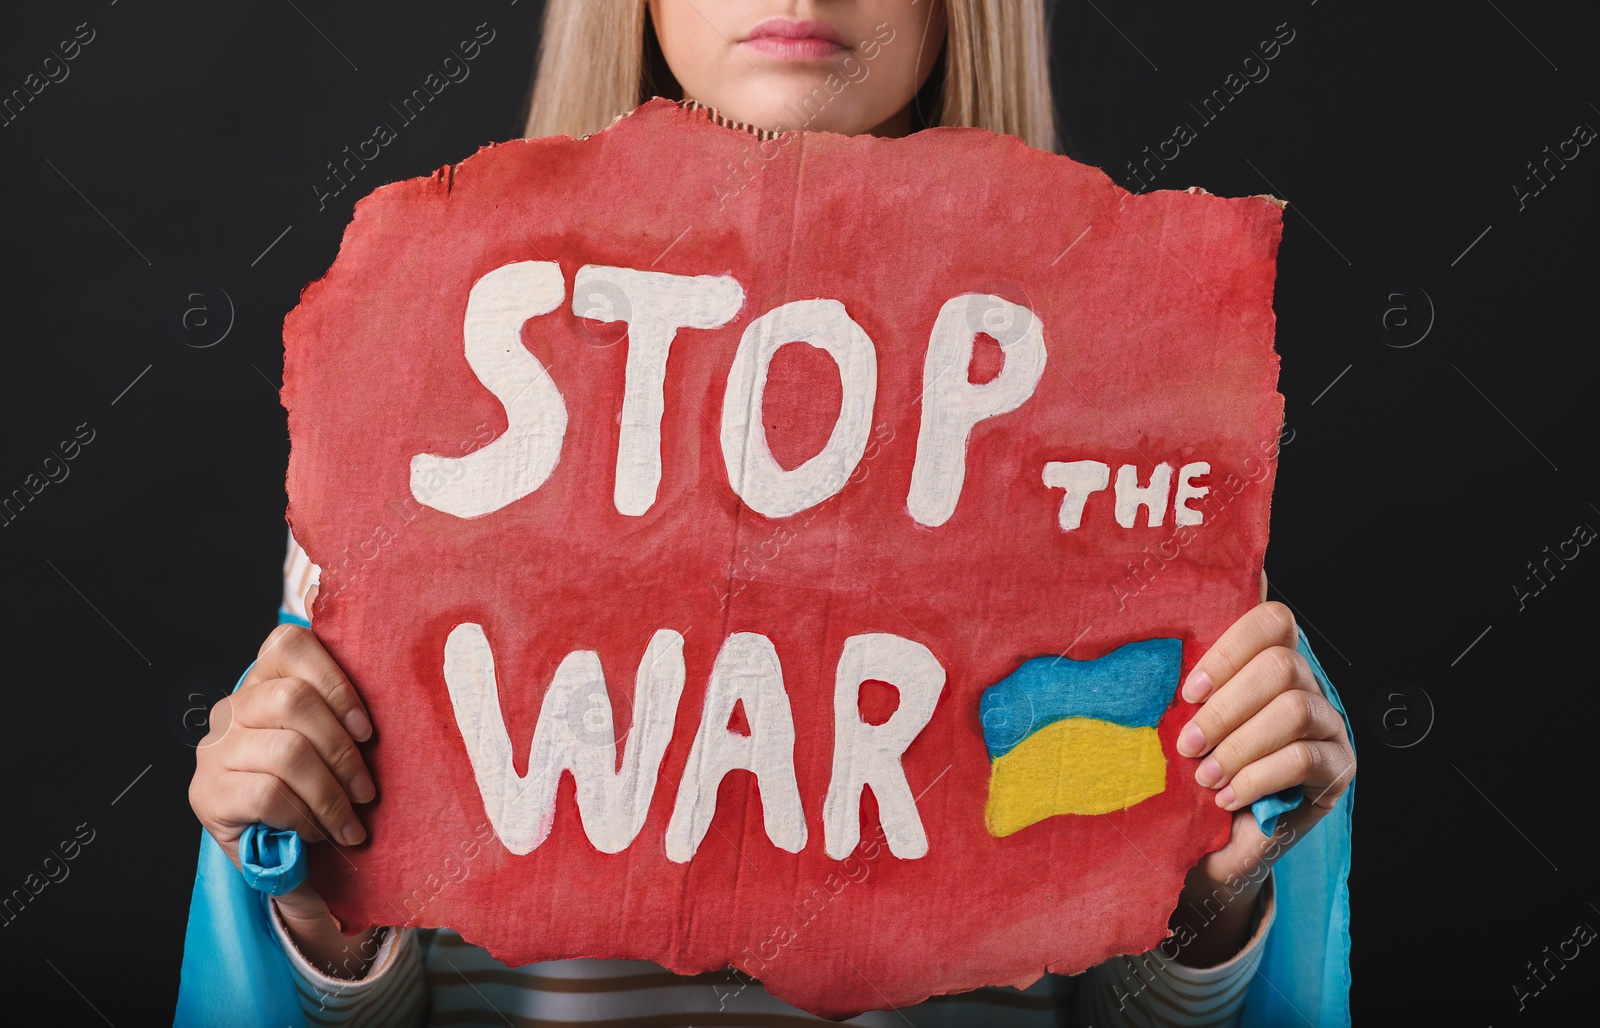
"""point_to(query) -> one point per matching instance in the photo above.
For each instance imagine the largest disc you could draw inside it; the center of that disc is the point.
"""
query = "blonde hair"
(600, 58)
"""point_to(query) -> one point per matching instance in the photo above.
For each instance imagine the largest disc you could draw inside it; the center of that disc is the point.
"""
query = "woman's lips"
(794, 40)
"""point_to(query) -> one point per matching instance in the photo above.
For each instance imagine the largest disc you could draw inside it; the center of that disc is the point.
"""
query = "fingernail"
(1192, 741)
(1209, 773)
(352, 832)
(358, 726)
(1225, 798)
(361, 788)
(1197, 687)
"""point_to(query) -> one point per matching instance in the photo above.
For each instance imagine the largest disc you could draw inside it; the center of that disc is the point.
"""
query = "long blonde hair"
(599, 59)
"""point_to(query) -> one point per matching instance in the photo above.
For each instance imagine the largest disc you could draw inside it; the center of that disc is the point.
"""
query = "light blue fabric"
(1304, 974)
(272, 860)
(234, 971)
(1269, 808)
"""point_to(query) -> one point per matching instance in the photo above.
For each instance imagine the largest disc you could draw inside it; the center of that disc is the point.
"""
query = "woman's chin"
(811, 108)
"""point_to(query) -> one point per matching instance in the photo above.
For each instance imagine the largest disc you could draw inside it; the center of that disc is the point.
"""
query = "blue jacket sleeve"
(234, 972)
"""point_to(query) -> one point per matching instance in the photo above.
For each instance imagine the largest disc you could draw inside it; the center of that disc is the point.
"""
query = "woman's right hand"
(282, 750)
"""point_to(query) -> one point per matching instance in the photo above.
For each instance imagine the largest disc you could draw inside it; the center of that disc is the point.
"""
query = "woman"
(282, 749)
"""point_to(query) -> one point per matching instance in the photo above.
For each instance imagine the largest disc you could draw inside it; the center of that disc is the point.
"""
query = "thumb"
(302, 905)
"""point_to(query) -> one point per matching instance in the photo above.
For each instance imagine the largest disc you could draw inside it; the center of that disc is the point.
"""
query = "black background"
(1417, 483)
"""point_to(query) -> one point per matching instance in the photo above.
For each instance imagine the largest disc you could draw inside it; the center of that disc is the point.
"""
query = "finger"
(1288, 716)
(302, 905)
(294, 704)
(1266, 624)
(295, 652)
(219, 722)
(1274, 670)
(1259, 850)
(1322, 768)
(291, 758)
(240, 798)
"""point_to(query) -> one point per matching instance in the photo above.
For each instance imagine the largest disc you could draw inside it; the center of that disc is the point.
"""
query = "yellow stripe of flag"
(1078, 765)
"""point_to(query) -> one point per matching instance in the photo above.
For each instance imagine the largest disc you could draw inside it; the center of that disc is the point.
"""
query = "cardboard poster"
(783, 553)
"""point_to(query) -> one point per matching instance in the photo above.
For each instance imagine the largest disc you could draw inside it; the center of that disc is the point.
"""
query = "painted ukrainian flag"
(1077, 736)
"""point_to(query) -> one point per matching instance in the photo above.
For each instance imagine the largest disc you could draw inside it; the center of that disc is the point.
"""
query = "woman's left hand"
(1263, 726)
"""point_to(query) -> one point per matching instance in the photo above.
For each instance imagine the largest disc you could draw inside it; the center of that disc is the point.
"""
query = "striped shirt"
(432, 976)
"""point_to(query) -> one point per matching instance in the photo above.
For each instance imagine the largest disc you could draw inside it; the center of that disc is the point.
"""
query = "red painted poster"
(783, 553)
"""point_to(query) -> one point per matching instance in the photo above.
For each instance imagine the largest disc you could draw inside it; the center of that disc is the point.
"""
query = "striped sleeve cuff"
(1153, 990)
(391, 993)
